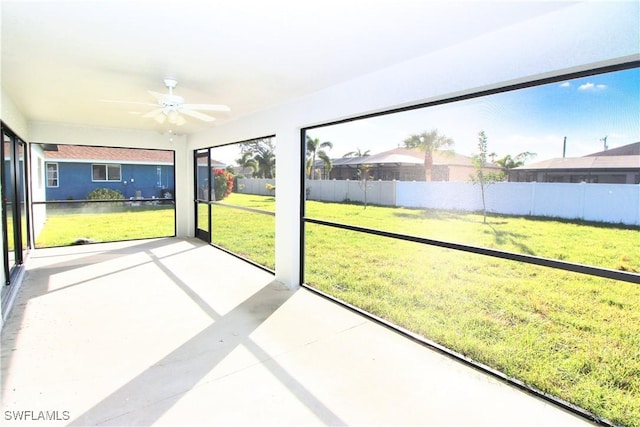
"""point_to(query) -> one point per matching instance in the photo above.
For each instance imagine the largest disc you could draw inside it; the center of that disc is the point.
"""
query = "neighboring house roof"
(409, 156)
(589, 162)
(625, 157)
(202, 161)
(82, 153)
(625, 150)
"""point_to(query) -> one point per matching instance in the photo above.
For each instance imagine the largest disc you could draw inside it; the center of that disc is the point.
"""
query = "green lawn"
(64, 226)
(249, 234)
(613, 247)
(571, 335)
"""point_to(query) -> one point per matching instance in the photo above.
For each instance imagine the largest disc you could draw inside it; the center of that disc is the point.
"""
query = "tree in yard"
(481, 177)
(260, 156)
(357, 153)
(222, 183)
(365, 178)
(315, 149)
(508, 162)
(266, 160)
(429, 142)
(246, 161)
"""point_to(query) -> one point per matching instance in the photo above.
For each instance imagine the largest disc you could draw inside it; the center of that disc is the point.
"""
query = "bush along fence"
(608, 203)
(260, 186)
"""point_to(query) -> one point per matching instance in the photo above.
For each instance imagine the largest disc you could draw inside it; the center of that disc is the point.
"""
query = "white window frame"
(57, 175)
(106, 172)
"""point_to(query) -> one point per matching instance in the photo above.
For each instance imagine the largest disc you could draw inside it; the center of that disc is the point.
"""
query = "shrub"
(270, 188)
(105, 194)
(222, 183)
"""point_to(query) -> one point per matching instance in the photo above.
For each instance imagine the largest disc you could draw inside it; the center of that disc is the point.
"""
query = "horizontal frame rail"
(242, 208)
(138, 199)
(512, 256)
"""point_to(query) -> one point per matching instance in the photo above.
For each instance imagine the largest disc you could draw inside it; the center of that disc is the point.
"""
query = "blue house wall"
(75, 181)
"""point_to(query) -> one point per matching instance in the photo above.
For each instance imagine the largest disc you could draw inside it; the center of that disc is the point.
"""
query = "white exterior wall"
(38, 189)
(12, 117)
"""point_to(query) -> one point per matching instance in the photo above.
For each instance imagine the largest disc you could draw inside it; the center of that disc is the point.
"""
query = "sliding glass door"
(202, 198)
(235, 199)
(14, 203)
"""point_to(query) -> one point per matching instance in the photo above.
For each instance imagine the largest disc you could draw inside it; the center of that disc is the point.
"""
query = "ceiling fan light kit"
(172, 109)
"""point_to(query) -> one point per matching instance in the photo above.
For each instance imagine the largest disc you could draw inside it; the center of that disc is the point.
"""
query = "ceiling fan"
(171, 108)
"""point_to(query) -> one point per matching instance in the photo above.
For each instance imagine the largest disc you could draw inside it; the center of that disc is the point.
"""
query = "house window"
(105, 172)
(52, 174)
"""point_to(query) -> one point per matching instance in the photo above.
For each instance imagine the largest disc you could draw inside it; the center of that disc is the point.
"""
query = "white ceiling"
(61, 59)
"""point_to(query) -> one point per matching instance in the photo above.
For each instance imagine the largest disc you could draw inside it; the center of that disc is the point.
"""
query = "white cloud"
(565, 84)
(591, 86)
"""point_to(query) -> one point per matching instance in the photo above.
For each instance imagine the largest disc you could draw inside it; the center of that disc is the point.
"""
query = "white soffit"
(61, 58)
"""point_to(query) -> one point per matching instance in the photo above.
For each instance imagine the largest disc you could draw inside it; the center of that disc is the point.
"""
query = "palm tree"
(315, 149)
(429, 142)
(248, 162)
(327, 164)
(357, 153)
(266, 160)
(507, 162)
(260, 156)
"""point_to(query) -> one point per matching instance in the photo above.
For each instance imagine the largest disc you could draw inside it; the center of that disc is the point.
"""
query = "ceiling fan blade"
(115, 101)
(197, 115)
(153, 113)
(206, 107)
(157, 95)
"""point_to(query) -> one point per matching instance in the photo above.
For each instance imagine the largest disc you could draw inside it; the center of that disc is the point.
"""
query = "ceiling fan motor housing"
(171, 101)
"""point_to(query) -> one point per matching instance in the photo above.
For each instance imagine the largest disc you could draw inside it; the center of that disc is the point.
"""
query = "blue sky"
(534, 119)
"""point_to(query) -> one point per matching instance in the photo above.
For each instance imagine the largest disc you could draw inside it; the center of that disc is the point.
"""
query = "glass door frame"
(202, 194)
(15, 193)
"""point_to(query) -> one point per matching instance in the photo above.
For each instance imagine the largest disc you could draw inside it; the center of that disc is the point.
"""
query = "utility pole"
(564, 148)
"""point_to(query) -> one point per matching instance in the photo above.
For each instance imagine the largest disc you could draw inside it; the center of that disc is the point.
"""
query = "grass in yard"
(571, 335)
(266, 203)
(249, 234)
(574, 336)
(63, 227)
(602, 245)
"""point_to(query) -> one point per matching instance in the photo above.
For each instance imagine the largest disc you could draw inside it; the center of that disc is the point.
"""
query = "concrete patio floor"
(174, 332)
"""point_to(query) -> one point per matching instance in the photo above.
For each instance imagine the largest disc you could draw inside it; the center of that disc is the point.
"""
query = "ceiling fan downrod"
(170, 84)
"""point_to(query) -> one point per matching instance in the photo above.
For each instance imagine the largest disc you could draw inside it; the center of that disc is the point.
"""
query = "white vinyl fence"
(376, 192)
(610, 203)
(255, 186)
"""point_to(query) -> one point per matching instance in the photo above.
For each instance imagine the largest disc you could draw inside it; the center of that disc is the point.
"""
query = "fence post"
(532, 194)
